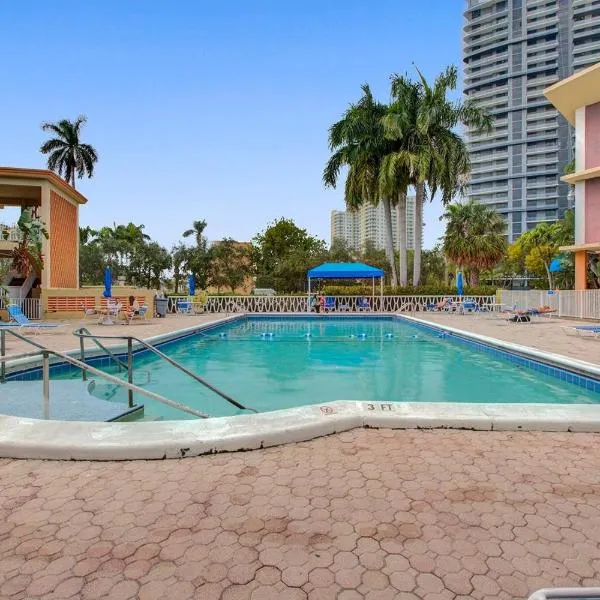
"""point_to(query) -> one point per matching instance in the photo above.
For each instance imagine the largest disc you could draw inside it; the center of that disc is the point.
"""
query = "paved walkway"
(369, 514)
(543, 333)
(63, 339)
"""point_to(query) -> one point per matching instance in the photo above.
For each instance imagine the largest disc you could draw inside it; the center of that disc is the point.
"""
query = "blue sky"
(213, 110)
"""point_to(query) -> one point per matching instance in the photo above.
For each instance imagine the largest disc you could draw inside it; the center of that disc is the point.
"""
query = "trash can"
(161, 306)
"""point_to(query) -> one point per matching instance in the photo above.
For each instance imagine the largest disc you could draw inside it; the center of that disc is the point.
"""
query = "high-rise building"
(367, 225)
(512, 51)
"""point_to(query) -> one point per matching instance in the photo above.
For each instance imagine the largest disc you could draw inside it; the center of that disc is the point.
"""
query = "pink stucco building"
(578, 99)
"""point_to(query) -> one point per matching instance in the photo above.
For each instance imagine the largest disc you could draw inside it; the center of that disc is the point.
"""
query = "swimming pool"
(274, 363)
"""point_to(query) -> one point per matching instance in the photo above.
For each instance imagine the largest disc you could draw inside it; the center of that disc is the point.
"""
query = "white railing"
(287, 304)
(578, 304)
(29, 306)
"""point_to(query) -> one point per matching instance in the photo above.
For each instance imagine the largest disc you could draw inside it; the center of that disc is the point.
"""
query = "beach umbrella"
(459, 283)
(191, 285)
(107, 293)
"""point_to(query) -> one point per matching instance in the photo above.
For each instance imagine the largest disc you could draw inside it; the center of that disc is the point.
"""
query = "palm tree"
(67, 156)
(197, 231)
(429, 154)
(357, 141)
(475, 237)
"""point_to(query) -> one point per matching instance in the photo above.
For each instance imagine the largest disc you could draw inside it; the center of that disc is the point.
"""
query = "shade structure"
(555, 266)
(107, 293)
(191, 285)
(460, 284)
(345, 271)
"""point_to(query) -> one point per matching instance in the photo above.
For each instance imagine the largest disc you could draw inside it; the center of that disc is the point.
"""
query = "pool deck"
(374, 515)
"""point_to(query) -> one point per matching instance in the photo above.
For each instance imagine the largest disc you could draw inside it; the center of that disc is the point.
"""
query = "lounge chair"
(565, 593)
(583, 330)
(23, 322)
(363, 304)
(541, 311)
(444, 304)
(329, 303)
(140, 314)
(469, 305)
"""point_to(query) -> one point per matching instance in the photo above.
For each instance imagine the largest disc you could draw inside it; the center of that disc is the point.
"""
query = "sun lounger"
(583, 330)
(564, 593)
(23, 322)
(329, 303)
(363, 304)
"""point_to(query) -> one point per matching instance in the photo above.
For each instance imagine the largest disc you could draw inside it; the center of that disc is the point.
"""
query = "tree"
(283, 253)
(429, 154)
(340, 251)
(197, 231)
(358, 142)
(67, 155)
(149, 261)
(474, 237)
(179, 257)
(537, 248)
(230, 264)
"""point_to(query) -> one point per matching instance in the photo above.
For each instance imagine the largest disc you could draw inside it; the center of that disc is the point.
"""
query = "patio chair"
(363, 304)
(139, 314)
(22, 321)
(329, 303)
(184, 307)
(470, 305)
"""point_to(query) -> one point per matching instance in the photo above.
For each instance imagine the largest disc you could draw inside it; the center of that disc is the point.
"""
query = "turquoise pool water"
(272, 364)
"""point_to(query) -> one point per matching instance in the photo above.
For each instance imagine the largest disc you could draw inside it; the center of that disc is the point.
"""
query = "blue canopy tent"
(346, 271)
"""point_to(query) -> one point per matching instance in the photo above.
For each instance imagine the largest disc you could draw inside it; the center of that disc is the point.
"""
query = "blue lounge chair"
(363, 304)
(470, 305)
(584, 330)
(23, 322)
(184, 307)
(329, 303)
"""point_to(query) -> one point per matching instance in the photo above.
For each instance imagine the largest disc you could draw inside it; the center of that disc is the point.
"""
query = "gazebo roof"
(345, 271)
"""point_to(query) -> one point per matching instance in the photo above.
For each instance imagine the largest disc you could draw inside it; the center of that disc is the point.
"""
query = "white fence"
(29, 306)
(285, 304)
(578, 304)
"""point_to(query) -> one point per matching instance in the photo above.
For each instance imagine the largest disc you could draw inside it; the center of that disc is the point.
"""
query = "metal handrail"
(85, 367)
(85, 333)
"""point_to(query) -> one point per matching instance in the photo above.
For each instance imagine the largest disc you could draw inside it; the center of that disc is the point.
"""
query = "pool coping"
(68, 440)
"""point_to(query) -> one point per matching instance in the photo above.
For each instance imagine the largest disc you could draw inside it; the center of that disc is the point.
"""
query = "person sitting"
(133, 308)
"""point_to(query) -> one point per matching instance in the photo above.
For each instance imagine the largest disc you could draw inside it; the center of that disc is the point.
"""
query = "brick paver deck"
(365, 514)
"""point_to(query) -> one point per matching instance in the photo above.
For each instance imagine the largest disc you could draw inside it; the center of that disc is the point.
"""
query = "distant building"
(512, 50)
(367, 224)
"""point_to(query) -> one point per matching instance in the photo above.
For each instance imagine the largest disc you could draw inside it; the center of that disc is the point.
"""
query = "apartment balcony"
(487, 156)
(540, 162)
(486, 25)
(587, 47)
(488, 73)
(542, 13)
(581, 7)
(486, 61)
(590, 21)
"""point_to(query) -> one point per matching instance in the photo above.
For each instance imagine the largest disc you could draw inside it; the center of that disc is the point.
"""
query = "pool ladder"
(45, 354)
(83, 334)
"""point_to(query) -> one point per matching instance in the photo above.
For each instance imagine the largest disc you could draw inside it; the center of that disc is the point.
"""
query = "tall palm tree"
(197, 231)
(67, 156)
(475, 237)
(357, 141)
(430, 155)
